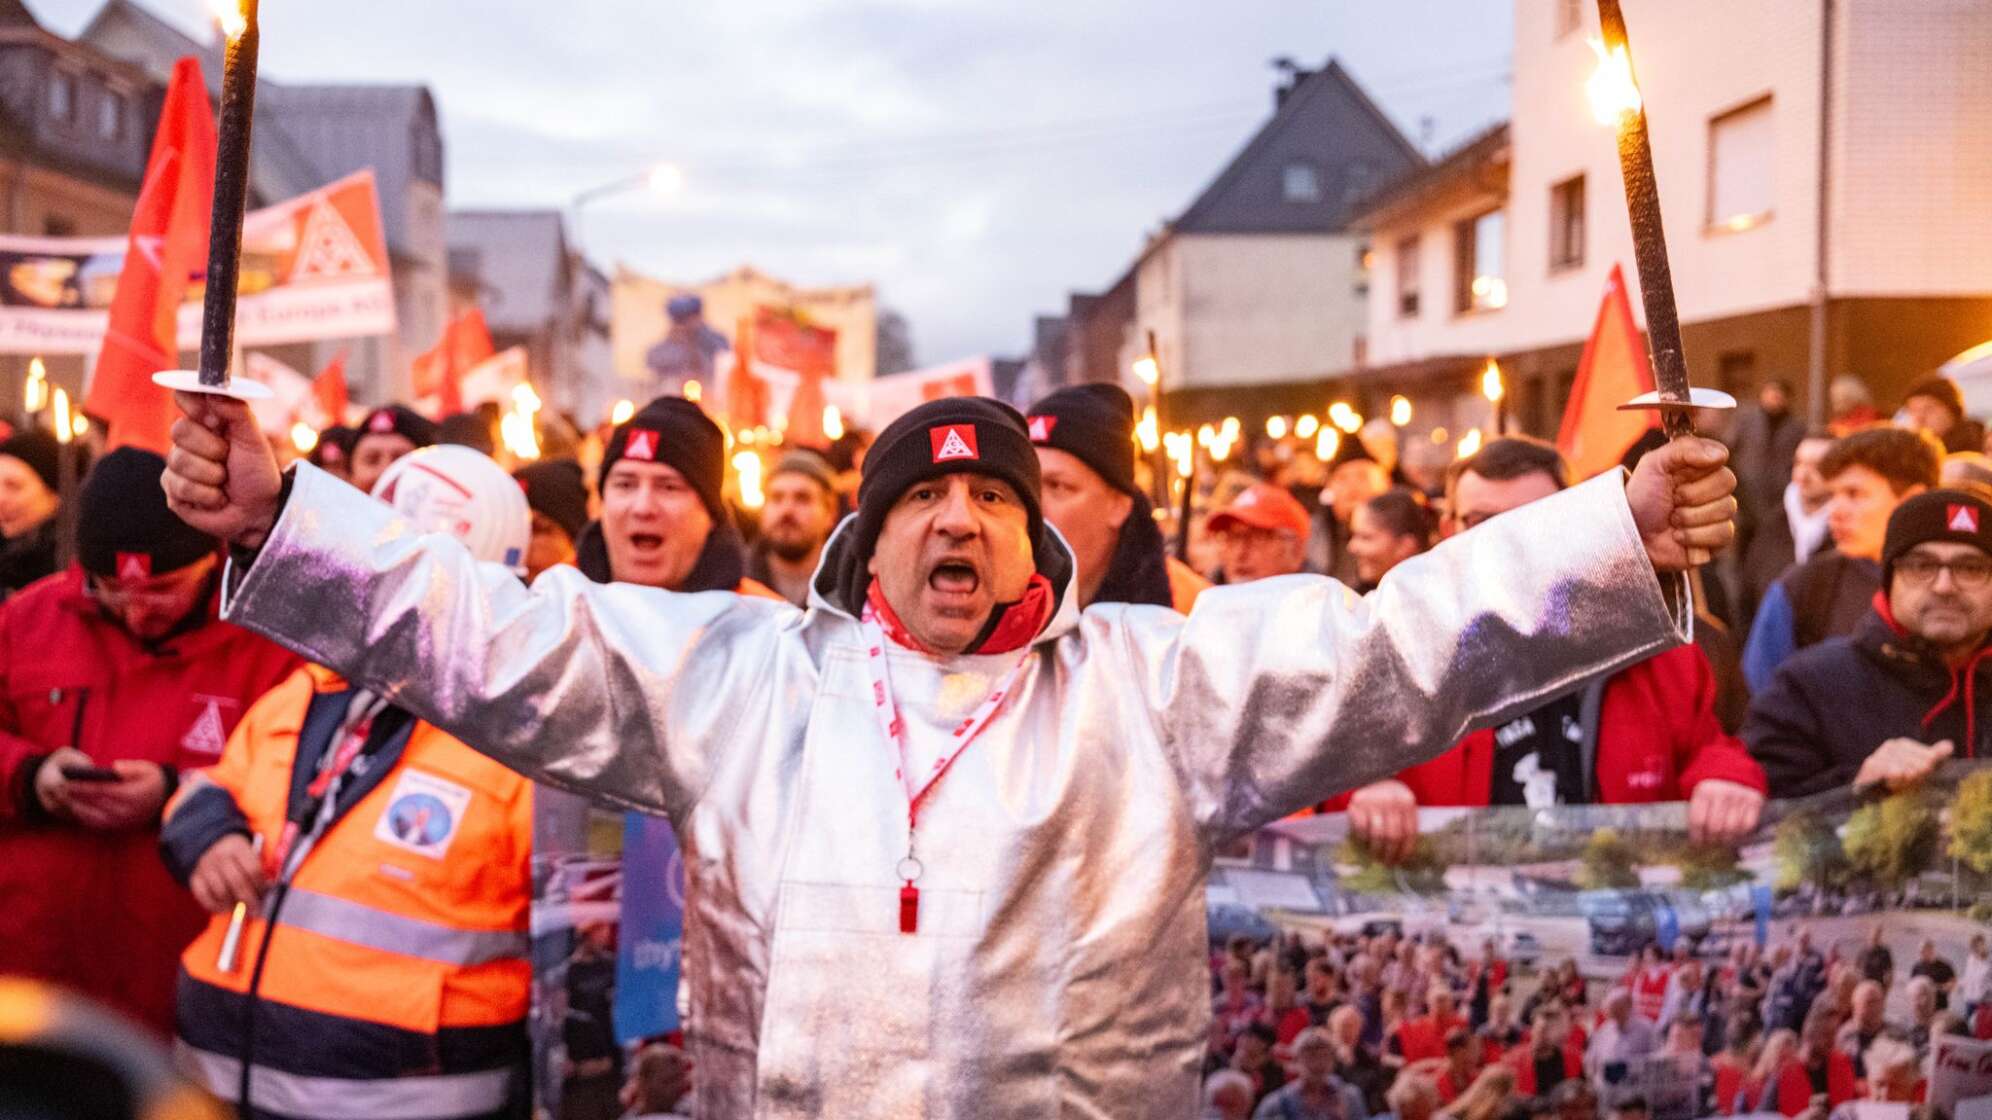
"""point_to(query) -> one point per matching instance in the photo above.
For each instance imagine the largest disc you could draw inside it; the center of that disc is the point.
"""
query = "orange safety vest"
(401, 938)
(1185, 585)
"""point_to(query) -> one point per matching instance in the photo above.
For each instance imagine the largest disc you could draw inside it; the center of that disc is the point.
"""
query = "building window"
(1566, 224)
(57, 226)
(1356, 181)
(1739, 167)
(1569, 16)
(111, 115)
(1300, 182)
(62, 95)
(1480, 283)
(1365, 262)
(1407, 278)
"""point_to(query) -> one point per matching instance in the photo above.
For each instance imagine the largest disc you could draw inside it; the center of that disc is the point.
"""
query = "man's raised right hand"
(221, 477)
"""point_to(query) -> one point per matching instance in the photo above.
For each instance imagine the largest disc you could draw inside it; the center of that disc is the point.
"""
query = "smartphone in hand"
(91, 774)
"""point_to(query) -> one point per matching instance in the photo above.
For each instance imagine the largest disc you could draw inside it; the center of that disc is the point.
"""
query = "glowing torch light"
(65, 427)
(1148, 431)
(34, 396)
(1610, 87)
(303, 437)
(620, 414)
(1147, 370)
(1276, 427)
(1306, 426)
(1469, 444)
(1490, 383)
(833, 422)
(747, 465)
(1400, 410)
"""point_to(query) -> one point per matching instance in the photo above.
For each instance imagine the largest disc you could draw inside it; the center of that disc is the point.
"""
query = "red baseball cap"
(1263, 506)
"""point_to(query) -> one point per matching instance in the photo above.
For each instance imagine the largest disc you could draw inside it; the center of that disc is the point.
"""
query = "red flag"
(1613, 370)
(328, 390)
(782, 340)
(746, 396)
(438, 374)
(169, 235)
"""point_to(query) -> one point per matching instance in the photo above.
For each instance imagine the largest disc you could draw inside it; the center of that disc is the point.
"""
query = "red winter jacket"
(1656, 738)
(96, 911)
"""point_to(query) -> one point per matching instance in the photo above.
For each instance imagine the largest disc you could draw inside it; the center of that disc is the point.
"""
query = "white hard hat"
(462, 492)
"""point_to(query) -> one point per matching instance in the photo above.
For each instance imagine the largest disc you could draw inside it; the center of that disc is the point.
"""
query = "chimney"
(1291, 75)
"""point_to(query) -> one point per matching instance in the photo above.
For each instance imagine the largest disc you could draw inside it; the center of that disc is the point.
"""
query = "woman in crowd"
(1487, 1098)
(1732, 1065)
(28, 507)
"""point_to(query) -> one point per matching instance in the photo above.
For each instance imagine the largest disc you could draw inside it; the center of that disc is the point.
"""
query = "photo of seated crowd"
(1860, 667)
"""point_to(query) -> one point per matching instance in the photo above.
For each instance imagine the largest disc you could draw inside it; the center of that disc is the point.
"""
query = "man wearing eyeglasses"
(1890, 703)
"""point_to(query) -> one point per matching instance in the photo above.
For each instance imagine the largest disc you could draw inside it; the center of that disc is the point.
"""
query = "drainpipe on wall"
(1815, 374)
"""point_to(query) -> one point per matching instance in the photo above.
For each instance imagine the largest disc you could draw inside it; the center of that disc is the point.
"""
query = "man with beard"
(1085, 448)
(801, 511)
(947, 836)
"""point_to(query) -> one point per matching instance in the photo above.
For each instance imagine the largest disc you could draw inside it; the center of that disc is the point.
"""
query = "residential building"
(538, 293)
(1256, 291)
(75, 130)
(1824, 180)
(308, 136)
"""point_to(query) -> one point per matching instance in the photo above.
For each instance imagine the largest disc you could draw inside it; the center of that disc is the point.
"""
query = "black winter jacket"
(1831, 704)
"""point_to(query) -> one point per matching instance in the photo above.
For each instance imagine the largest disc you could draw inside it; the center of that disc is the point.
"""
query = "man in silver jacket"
(1051, 962)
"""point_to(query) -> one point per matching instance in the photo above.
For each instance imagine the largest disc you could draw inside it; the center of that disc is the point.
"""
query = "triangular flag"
(438, 374)
(1594, 435)
(168, 245)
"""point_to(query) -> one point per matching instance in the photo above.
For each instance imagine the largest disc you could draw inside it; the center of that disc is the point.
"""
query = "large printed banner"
(313, 268)
(1591, 883)
(884, 399)
(1596, 883)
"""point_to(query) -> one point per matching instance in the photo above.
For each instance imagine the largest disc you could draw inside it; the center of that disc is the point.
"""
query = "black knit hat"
(675, 432)
(1962, 514)
(557, 490)
(39, 450)
(952, 435)
(123, 528)
(1094, 422)
(1940, 389)
(397, 419)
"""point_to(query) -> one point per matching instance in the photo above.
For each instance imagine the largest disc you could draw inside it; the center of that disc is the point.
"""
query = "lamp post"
(660, 179)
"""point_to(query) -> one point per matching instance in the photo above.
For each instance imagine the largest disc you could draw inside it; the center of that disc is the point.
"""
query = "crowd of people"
(1838, 646)
(294, 959)
(1349, 1026)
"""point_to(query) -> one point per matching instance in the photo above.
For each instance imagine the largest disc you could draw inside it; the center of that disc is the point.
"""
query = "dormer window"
(1300, 181)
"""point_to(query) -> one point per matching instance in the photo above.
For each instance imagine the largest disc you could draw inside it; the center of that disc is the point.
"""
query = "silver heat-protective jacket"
(1059, 969)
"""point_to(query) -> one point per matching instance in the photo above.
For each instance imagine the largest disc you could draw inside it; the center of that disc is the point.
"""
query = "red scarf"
(1014, 624)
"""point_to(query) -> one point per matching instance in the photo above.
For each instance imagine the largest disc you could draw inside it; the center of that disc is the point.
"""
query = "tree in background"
(1608, 862)
(1971, 823)
(1808, 852)
(1708, 867)
(1424, 873)
(1892, 841)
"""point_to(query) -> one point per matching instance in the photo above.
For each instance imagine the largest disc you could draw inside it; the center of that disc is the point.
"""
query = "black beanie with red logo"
(124, 530)
(677, 433)
(1962, 515)
(953, 435)
(1095, 423)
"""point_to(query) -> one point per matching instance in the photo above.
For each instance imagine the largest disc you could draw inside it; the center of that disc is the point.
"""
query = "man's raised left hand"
(1683, 499)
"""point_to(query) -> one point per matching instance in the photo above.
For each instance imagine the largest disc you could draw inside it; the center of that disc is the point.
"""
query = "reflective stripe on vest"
(338, 1098)
(394, 933)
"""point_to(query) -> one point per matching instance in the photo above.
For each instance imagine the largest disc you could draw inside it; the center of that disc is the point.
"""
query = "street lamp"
(662, 179)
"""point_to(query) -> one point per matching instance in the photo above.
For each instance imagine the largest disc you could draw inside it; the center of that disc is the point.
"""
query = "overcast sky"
(975, 159)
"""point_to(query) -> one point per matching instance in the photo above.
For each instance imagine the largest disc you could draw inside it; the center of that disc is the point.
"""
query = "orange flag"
(169, 235)
(1613, 370)
(328, 391)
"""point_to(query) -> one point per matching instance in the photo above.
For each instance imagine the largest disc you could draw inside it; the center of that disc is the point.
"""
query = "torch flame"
(620, 414)
(1469, 444)
(1148, 431)
(65, 428)
(303, 437)
(1306, 426)
(1614, 95)
(34, 396)
(229, 14)
(694, 390)
(1327, 443)
(747, 465)
(1490, 382)
(833, 422)
(1276, 427)
(1400, 410)
(1147, 371)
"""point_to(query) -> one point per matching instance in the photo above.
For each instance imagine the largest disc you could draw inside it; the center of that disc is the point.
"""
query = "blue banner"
(652, 934)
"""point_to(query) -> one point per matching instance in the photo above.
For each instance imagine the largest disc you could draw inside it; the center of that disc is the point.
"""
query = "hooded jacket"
(1833, 704)
(1058, 964)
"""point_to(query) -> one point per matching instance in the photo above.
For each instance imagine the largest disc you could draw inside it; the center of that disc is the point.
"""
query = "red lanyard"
(342, 760)
(894, 727)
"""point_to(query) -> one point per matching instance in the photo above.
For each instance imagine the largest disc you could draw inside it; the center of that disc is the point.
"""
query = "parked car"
(1524, 948)
(1229, 919)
